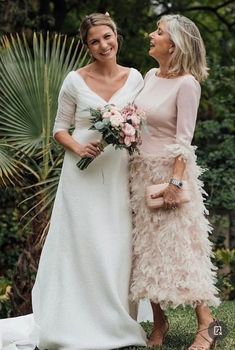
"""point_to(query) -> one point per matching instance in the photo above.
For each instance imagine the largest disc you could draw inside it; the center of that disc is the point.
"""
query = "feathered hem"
(171, 249)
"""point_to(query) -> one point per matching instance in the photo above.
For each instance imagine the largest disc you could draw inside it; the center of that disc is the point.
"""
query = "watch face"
(176, 183)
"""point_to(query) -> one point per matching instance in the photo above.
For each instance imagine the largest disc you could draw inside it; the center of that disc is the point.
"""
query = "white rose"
(116, 119)
(113, 109)
(106, 115)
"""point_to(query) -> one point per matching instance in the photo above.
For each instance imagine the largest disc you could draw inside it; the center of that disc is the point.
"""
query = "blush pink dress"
(172, 251)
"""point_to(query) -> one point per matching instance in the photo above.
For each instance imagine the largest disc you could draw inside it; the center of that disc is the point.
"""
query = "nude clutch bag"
(155, 203)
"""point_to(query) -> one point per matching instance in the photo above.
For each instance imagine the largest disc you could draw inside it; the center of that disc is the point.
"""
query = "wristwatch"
(176, 183)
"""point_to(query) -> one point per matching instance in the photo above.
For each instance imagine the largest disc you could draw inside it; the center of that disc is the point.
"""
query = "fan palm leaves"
(31, 74)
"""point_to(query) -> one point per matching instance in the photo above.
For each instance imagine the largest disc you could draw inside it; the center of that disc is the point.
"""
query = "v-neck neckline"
(95, 93)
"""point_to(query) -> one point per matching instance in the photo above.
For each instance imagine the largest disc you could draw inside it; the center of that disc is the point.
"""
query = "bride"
(80, 297)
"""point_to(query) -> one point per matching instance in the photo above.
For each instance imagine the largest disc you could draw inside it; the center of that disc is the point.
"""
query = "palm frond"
(43, 197)
(31, 74)
(12, 167)
(8, 168)
(30, 80)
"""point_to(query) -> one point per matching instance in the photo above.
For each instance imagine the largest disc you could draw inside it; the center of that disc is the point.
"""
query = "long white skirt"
(17, 333)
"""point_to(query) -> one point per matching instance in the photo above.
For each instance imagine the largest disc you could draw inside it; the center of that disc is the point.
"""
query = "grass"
(183, 327)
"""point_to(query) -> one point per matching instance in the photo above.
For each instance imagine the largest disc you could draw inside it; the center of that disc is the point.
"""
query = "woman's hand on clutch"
(90, 150)
(171, 197)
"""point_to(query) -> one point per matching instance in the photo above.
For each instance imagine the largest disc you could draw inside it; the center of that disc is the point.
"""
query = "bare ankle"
(204, 316)
(205, 322)
(160, 322)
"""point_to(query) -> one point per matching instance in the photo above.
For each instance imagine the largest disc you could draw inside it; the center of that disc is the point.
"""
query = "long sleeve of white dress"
(66, 107)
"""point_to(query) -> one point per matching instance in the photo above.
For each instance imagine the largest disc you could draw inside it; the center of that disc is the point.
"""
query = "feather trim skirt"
(171, 257)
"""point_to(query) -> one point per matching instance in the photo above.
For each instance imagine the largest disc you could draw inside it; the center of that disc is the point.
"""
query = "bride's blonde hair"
(189, 56)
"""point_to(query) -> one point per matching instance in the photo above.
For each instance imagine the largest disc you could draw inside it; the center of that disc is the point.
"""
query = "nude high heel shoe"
(211, 343)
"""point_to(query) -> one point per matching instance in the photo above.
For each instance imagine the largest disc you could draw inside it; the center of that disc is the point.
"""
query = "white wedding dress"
(80, 297)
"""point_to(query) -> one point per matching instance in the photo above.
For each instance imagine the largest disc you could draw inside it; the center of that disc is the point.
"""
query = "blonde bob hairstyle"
(189, 56)
(96, 19)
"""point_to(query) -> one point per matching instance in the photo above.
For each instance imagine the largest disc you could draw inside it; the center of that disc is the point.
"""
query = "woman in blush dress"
(80, 297)
(172, 251)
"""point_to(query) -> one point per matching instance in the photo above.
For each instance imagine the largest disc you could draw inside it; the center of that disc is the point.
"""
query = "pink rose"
(129, 110)
(128, 130)
(135, 119)
(128, 140)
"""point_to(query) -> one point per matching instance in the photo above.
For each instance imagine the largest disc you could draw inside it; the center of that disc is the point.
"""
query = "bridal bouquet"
(119, 127)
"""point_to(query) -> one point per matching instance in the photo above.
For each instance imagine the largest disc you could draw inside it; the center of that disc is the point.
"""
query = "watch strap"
(176, 182)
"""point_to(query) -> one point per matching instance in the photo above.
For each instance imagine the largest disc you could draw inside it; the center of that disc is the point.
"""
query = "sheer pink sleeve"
(188, 98)
(66, 106)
